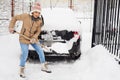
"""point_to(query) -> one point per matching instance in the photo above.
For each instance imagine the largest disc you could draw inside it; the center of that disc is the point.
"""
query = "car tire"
(75, 55)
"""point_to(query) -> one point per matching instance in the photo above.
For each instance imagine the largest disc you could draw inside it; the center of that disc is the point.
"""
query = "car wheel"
(75, 55)
(75, 51)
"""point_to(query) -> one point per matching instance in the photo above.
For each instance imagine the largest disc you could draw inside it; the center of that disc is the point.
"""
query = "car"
(60, 36)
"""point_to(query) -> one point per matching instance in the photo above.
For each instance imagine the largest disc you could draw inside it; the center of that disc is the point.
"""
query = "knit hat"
(36, 7)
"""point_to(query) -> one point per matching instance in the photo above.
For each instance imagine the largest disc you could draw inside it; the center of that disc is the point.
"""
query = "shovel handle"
(22, 35)
(28, 38)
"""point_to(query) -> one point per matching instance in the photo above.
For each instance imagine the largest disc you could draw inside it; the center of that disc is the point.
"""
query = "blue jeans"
(24, 55)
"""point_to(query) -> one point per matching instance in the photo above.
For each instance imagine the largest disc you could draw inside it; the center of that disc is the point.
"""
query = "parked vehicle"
(60, 36)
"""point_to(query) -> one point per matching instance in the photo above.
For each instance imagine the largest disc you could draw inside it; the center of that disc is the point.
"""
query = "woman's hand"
(11, 30)
(33, 40)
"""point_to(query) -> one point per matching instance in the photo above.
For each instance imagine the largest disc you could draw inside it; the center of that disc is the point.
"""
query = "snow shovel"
(37, 43)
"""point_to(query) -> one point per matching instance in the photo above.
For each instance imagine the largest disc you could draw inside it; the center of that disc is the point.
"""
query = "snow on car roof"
(60, 19)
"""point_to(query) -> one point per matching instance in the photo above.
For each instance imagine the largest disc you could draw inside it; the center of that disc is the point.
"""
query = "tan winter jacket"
(30, 28)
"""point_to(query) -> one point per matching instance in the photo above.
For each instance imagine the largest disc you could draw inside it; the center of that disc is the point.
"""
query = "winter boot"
(22, 74)
(45, 68)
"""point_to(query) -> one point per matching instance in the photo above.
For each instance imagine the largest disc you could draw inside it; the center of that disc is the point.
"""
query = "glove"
(33, 40)
(11, 30)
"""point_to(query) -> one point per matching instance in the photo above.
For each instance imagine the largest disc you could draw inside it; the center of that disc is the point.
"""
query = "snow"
(57, 17)
(9, 57)
(94, 64)
(60, 50)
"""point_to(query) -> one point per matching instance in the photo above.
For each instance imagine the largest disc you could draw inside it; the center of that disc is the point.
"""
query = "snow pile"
(97, 64)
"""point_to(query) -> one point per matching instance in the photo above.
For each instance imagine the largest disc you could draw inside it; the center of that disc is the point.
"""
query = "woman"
(31, 28)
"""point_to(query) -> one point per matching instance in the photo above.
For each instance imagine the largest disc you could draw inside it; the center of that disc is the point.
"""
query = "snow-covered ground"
(95, 64)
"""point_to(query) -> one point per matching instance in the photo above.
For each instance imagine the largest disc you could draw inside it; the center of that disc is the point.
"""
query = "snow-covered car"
(61, 35)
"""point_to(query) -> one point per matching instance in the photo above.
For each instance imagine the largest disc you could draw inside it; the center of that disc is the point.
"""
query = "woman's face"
(36, 14)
